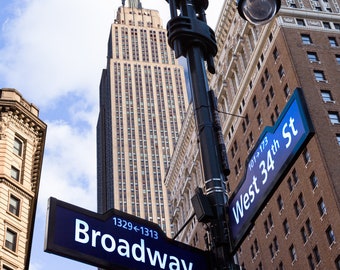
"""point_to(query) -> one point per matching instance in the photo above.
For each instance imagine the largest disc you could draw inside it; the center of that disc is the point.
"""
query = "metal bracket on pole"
(185, 31)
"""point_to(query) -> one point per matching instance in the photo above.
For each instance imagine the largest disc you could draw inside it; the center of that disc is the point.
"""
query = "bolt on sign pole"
(190, 36)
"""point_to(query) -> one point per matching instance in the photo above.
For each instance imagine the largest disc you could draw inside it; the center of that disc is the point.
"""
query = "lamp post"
(191, 37)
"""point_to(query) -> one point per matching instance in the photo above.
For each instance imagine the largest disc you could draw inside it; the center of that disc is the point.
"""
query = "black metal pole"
(190, 36)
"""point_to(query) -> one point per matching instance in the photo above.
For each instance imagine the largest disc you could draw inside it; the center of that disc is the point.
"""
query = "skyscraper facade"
(257, 70)
(22, 140)
(143, 101)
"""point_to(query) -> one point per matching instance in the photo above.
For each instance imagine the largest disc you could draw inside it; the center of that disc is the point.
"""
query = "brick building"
(258, 69)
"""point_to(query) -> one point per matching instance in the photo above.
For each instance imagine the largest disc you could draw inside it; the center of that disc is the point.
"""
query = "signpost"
(276, 149)
(115, 240)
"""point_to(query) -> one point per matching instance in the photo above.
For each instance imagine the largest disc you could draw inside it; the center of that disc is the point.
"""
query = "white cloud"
(53, 52)
(69, 168)
(55, 47)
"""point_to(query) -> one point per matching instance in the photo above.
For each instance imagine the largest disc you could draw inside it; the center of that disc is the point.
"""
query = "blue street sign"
(276, 149)
(115, 240)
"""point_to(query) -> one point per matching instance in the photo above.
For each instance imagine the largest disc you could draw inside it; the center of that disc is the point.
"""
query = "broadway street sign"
(115, 240)
(276, 149)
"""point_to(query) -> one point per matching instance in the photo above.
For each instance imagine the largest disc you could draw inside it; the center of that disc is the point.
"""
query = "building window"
(334, 117)
(266, 228)
(313, 180)
(292, 253)
(276, 244)
(297, 208)
(316, 255)
(270, 37)
(271, 92)
(17, 146)
(333, 42)
(281, 266)
(272, 252)
(15, 173)
(270, 220)
(280, 202)
(256, 246)
(272, 118)
(11, 240)
(295, 176)
(304, 235)
(313, 57)
(301, 201)
(326, 25)
(266, 74)
(322, 207)
(236, 170)
(267, 100)
(254, 102)
(285, 226)
(281, 71)
(336, 26)
(306, 156)
(306, 39)
(14, 205)
(290, 184)
(244, 126)
(275, 53)
(337, 263)
(277, 111)
(319, 76)
(338, 138)
(268, 224)
(326, 96)
(263, 82)
(259, 119)
(309, 227)
(286, 90)
(311, 262)
(337, 58)
(330, 235)
(300, 22)
(251, 137)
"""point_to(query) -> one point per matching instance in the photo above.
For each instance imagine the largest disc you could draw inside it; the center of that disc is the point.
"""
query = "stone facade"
(22, 140)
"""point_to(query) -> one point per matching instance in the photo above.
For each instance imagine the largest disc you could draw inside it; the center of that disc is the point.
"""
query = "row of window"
(307, 40)
(320, 77)
(306, 230)
(18, 149)
(315, 5)
(326, 25)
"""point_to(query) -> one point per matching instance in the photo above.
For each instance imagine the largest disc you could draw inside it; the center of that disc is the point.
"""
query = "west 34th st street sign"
(115, 240)
(276, 149)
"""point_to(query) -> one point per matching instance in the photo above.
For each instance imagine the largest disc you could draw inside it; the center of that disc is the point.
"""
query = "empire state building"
(143, 101)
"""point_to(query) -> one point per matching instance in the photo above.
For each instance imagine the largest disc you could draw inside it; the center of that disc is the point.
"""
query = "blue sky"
(53, 52)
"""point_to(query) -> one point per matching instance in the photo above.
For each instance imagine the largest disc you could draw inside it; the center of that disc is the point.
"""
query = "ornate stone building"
(258, 69)
(22, 140)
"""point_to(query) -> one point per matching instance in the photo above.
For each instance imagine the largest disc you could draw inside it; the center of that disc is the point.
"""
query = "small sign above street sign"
(115, 240)
(276, 149)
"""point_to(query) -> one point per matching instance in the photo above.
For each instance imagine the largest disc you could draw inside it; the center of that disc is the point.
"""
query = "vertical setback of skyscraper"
(143, 102)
